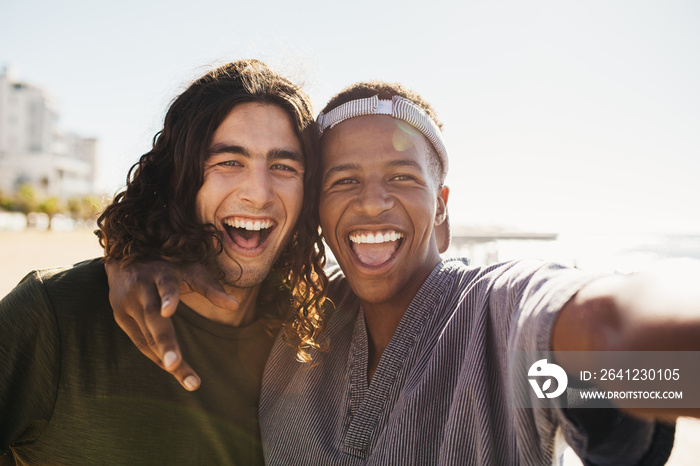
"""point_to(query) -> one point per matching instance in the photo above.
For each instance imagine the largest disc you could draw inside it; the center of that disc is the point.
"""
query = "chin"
(240, 277)
(374, 293)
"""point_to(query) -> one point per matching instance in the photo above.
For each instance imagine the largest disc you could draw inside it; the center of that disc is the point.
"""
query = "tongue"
(375, 254)
(245, 238)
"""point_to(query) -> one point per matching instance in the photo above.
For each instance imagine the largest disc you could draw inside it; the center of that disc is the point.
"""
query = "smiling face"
(379, 205)
(252, 191)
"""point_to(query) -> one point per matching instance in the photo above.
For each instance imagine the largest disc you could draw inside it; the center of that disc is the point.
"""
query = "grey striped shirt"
(439, 393)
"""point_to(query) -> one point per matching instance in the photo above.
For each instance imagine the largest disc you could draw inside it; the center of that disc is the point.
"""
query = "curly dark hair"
(155, 216)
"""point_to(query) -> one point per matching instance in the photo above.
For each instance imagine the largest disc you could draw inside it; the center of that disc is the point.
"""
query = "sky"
(558, 116)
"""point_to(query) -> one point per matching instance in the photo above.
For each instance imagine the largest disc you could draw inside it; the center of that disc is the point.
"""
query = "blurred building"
(34, 149)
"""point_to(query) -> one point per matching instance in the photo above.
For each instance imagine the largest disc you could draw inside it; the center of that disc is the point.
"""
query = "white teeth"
(375, 238)
(248, 224)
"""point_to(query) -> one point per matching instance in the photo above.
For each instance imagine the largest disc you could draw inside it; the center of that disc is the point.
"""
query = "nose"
(374, 199)
(256, 187)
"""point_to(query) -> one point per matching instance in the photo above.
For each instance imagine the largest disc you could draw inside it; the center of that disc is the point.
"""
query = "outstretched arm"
(145, 295)
(656, 310)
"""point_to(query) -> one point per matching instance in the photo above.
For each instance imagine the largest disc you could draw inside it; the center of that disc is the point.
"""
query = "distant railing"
(463, 239)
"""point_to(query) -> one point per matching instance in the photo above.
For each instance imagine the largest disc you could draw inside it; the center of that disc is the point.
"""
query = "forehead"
(373, 140)
(258, 126)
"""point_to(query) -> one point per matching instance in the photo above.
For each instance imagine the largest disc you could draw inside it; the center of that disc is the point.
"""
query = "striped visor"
(397, 107)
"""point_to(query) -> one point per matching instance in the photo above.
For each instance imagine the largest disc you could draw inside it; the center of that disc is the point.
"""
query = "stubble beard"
(230, 273)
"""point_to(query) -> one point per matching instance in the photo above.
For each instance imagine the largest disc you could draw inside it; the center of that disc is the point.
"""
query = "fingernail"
(169, 359)
(191, 382)
(164, 303)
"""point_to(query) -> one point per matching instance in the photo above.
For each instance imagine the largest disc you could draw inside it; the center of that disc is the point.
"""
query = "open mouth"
(374, 248)
(248, 233)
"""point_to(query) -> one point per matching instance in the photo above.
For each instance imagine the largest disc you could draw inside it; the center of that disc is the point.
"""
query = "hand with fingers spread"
(145, 295)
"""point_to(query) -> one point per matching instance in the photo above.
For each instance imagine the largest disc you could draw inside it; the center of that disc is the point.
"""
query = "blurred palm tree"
(51, 206)
(26, 199)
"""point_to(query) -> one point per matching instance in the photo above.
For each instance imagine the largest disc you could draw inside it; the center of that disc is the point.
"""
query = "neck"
(244, 315)
(382, 319)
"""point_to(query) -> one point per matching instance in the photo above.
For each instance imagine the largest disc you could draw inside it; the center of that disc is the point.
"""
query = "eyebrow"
(354, 166)
(340, 168)
(274, 154)
(405, 163)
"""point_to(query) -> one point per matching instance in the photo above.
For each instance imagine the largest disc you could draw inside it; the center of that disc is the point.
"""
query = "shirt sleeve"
(29, 362)
(599, 436)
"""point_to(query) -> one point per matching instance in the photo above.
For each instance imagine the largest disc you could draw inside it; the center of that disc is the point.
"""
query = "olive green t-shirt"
(75, 390)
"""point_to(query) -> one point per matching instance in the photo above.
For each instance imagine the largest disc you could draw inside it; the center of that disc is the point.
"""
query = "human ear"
(441, 211)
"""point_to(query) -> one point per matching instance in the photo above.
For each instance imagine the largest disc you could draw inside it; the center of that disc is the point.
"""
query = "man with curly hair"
(231, 180)
(420, 367)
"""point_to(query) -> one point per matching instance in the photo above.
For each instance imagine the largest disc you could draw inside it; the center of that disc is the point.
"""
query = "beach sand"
(23, 252)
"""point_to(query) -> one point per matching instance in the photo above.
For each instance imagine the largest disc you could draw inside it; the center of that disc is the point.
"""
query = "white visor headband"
(397, 107)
